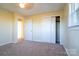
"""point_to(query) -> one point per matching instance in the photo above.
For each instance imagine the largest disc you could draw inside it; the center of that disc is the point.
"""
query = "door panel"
(28, 29)
(53, 29)
(44, 30)
(36, 29)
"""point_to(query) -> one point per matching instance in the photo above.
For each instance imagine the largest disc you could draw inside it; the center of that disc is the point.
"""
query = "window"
(73, 14)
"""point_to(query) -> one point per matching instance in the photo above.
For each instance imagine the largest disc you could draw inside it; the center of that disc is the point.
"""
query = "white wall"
(6, 27)
(36, 19)
(15, 28)
(72, 36)
(73, 40)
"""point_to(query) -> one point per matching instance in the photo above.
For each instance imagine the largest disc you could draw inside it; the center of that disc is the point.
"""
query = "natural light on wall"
(20, 30)
(73, 14)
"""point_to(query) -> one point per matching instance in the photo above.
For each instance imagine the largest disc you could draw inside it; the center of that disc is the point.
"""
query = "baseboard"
(67, 51)
(5, 43)
(71, 52)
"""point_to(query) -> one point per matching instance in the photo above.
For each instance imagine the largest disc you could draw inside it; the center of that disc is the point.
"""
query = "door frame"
(22, 34)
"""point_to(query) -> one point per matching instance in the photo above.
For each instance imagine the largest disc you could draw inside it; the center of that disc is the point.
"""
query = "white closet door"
(45, 30)
(36, 29)
(53, 29)
(28, 29)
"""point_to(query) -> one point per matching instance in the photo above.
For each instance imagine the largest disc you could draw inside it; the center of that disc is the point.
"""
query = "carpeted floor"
(29, 48)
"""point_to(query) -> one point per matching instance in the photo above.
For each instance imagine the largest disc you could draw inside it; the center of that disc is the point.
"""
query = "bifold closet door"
(28, 29)
(36, 28)
(53, 29)
(47, 29)
(43, 30)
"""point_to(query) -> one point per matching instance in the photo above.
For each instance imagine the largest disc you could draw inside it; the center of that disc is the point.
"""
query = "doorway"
(58, 29)
(20, 30)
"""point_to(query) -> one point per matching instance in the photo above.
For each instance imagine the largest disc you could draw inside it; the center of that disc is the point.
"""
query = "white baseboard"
(67, 51)
(1, 44)
(71, 52)
(5, 43)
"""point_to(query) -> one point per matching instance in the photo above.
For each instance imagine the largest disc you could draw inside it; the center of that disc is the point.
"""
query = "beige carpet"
(29, 48)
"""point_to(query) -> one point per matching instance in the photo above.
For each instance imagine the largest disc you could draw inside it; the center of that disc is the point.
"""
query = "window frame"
(73, 12)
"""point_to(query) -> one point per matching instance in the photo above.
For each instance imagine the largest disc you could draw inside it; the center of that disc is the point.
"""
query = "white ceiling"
(37, 8)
